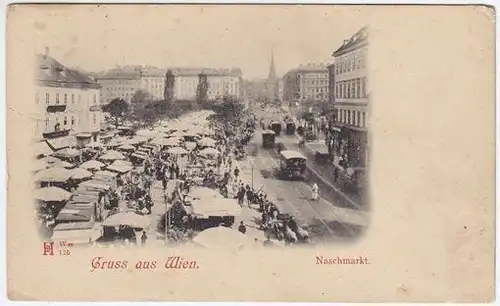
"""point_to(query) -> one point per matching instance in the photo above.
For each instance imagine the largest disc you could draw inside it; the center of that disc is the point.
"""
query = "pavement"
(327, 220)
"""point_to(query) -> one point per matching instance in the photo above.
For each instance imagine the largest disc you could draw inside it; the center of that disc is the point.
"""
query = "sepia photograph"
(249, 152)
(220, 152)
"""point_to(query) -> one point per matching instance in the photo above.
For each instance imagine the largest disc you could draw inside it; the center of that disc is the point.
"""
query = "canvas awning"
(61, 142)
(70, 214)
(216, 207)
(120, 168)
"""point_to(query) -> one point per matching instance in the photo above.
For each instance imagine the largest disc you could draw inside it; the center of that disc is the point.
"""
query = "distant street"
(332, 218)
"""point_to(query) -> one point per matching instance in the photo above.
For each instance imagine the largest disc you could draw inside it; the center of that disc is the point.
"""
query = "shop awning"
(61, 142)
(84, 135)
(68, 214)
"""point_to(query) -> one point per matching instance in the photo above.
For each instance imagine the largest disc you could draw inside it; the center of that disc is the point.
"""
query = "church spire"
(272, 69)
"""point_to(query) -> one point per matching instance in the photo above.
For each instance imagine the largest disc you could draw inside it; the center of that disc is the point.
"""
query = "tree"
(229, 112)
(169, 86)
(140, 99)
(202, 89)
(117, 108)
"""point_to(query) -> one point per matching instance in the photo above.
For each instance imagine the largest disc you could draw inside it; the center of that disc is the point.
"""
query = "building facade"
(153, 81)
(67, 104)
(306, 84)
(351, 102)
(125, 82)
(119, 83)
(221, 82)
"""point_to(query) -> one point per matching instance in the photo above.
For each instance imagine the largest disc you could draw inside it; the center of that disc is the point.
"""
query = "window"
(57, 98)
(364, 119)
(358, 89)
(65, 98)
(349, 117)
(358, 61)
(95, 99)
(46, 124)
(65, 120)
(364, 87)
(47, 98)
(94, 118)
(37, 98)
(72, 98)
(353, 89)
(353, 63)
(72, 120)
(359, 119)
(348, 90)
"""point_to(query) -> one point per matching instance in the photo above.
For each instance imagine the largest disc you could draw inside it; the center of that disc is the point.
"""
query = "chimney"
(46, 51)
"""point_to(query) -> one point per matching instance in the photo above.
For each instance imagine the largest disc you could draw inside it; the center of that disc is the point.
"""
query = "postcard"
(297, 153)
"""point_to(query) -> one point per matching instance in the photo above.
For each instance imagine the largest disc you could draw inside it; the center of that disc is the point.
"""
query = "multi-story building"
(153, 81)
(306, 84)
(120, 83)
(351, 112)
(67, 104)
(221, 82)
(124, 82)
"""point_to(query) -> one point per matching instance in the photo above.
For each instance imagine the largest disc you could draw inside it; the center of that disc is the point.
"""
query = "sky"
(95, 38)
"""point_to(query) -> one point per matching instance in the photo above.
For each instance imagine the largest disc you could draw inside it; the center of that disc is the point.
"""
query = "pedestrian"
(242, 228)
(144, 238)
(241, 195)
(315, 191)
(236, 172)
(249, 194)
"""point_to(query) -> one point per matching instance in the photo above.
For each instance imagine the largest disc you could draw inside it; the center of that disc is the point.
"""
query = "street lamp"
(252, 165)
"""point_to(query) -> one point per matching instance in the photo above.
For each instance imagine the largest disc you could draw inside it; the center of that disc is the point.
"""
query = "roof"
(308, 68)
(360, 37)
(289, 154)
(122, 74)
(153, 72)
(54, 74)
(194, 71)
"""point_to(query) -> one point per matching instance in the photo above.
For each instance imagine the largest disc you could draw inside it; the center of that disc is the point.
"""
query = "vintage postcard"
(300, 153)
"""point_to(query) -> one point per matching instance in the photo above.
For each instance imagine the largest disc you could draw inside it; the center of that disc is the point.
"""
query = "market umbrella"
(209, 151)
(126, 147)
(50, 159)
(52, 194)
(92, 165)
(129, 218)
(68, 152)
(204, 193)
(62, 164)
(147, 133)
(221, 238)
(177, 134)
(190, 145)
(177, 151)
(138, 139)
(207, 142)
(80, 174)
(94, 145)
(53, 175)
(112, 155)
(40, 164)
